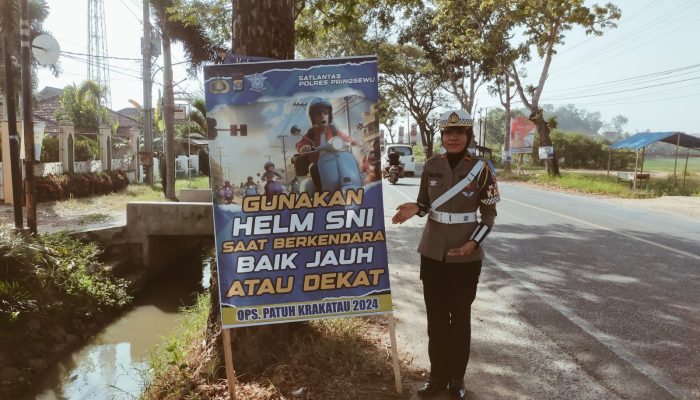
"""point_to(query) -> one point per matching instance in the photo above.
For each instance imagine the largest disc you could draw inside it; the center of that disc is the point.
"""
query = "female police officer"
(453, 186)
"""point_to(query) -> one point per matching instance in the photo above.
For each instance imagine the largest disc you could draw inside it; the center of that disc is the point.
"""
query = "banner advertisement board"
(506, 156)
(522, 135)
(546, 152)
(298, 211)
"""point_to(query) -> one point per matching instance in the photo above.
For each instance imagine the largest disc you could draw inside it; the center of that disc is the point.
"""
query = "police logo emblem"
(237, 81)
(219, 86)
(433, 182)
(453, 118)
(257, 82)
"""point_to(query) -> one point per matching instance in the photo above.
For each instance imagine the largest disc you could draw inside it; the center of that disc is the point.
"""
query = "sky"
(647, 69)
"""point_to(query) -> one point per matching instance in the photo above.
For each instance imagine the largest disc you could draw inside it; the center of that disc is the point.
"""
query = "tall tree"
(264, 28)
(198, 48)
(9, 26)
(544, 24)
(80, 105)
(408, 78)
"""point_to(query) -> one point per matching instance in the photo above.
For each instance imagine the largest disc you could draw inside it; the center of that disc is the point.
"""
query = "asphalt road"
(579, 298)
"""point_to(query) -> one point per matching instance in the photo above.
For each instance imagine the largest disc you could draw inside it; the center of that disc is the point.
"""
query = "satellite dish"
(46, 49)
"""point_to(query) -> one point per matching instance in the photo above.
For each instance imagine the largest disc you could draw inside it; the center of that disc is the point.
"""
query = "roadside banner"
(522, 135)
(298, 209)
(546, 152)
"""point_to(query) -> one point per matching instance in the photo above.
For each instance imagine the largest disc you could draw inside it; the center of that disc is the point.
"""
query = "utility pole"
(221, 165)
(147, 107)
(284, 155)
(28, 118)
(12, 128)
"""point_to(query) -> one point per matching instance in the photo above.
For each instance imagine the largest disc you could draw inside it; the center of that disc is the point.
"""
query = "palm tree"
(80, 105)
(9, 26)
(198, 49)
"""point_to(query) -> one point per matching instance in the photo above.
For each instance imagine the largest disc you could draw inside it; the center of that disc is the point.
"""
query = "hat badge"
(453, 118)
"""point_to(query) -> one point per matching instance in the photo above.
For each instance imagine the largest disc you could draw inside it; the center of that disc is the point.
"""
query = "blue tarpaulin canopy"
(641, 140)
(644, 139)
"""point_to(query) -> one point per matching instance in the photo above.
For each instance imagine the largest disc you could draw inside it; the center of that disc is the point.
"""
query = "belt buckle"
(449, 218)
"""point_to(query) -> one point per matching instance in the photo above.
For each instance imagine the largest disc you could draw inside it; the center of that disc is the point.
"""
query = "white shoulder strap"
(459, 186)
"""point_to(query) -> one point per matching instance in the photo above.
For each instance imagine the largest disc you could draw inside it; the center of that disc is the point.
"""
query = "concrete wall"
(147, 221)
(196, 195)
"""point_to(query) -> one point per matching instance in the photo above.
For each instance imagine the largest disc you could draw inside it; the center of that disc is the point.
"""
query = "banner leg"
(395, 354)
(228, 356)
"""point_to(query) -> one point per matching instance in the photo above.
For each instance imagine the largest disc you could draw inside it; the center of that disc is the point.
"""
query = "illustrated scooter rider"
(250, 188)
(272, 186)
(226, 192)
(320, 112)
(325, 152)
(371, 164)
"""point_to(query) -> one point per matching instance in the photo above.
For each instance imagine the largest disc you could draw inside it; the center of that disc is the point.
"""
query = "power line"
(624, 19)
(631, 37)
(623, 91)
(633, 78)
(91, 62)
(111, 57)
(636, 101)
(132, 13)
(109, 69)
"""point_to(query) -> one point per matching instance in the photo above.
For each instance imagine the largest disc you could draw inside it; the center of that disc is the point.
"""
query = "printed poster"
(298, 209)
(522, 135)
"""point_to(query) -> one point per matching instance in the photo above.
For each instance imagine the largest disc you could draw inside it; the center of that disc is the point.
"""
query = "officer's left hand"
(464, 250)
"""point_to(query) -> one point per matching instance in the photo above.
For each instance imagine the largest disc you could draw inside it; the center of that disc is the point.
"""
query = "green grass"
(602, 184)
(666, 164)
(198, 182)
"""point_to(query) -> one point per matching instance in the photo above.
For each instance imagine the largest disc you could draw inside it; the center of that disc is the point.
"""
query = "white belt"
(452, 218)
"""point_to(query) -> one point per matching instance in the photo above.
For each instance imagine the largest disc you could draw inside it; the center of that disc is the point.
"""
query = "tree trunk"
(506, 143)
(537, 117)
(168, 117)
(263, 28)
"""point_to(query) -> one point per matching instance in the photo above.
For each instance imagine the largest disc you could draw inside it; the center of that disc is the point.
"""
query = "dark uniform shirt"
(481, 194)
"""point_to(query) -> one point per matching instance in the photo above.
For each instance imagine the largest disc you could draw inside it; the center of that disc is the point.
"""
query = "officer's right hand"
(306, 148)
(405, 211)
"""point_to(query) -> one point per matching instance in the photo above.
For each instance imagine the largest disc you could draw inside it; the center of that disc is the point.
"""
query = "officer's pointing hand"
(405, 211)
(464, 250)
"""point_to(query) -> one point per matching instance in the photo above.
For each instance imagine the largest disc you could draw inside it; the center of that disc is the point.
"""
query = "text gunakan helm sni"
(452, 118)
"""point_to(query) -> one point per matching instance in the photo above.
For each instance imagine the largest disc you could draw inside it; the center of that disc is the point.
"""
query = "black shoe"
(457, 390)
(432, 388)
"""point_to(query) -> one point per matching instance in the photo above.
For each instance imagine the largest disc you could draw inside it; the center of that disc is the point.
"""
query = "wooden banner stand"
(395, 354)
(228, 357)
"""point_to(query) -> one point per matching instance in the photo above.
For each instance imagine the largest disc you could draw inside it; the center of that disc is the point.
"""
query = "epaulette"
(433, 158)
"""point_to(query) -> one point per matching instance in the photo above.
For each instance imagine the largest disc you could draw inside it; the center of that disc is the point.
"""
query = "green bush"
(49, 149)
(60, 187)
(86, 149)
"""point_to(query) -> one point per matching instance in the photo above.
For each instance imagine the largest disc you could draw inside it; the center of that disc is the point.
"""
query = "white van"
(406, 153)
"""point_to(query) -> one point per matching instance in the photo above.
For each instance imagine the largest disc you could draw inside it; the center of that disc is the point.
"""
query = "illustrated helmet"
(269, 164)
(452, 118)
(316, 104)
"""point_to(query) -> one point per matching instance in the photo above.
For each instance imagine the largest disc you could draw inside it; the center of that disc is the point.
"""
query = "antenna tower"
(98, 63)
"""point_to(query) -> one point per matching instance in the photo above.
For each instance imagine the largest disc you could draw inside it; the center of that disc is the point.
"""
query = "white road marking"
(685, 253)
(612, 343)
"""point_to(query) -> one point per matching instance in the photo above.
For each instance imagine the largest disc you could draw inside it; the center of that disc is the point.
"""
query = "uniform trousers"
(449, 290)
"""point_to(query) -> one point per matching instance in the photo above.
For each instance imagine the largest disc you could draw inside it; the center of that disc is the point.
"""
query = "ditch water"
(114, 364)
